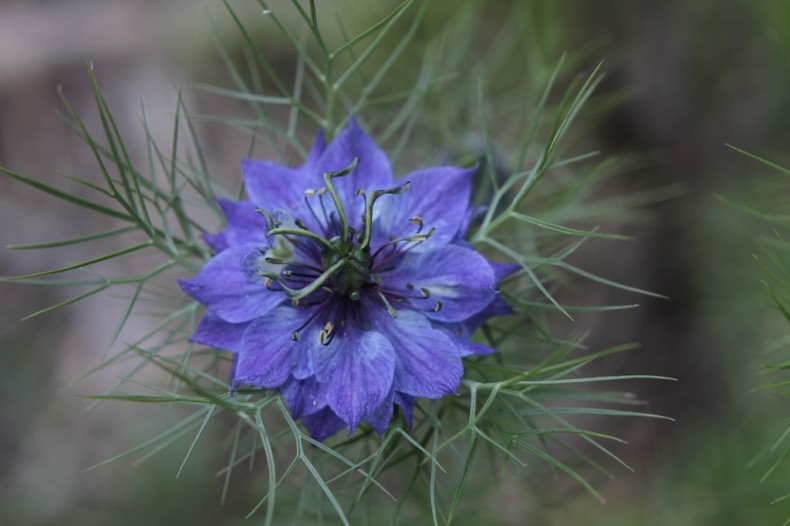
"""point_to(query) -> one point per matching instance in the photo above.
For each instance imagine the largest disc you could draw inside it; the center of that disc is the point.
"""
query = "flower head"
(349, 291)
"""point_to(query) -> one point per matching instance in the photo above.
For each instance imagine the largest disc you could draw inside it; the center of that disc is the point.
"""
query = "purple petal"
(304, 397)
(428, 364)
(269, 354)
(464, 346)
(358, 367)
(498, 307)
(373, 171)
(280, 190)
(439, 196)
(319, 146)
(476, 349)
(216, 332)
(323, 424)
(223, 286)
(380, 418)
(472, 215)
(461, 332)
(275, 187)
(216, 241)
(406, 403)
(245, 225)
(503, 270)
(458, 280)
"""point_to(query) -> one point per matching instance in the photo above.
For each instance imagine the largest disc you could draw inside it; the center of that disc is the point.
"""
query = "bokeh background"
(690, 77)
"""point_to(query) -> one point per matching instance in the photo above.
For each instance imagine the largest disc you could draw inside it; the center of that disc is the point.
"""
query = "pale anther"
(326, 333)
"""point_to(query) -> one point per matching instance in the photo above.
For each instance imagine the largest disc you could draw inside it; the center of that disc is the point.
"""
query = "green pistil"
(298, 294)
(335, 198)
(346, 258)
(301, 233)
(370, 200)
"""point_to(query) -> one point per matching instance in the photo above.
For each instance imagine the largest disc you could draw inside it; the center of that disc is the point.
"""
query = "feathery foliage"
(774, 260)
(418, 92)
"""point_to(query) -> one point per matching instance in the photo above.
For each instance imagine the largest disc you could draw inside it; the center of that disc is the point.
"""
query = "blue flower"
(349, 291)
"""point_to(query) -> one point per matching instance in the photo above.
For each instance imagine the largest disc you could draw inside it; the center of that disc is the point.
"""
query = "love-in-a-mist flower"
(349, 291)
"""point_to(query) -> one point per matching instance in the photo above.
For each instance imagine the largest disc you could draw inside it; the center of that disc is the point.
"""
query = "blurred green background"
(690, 77)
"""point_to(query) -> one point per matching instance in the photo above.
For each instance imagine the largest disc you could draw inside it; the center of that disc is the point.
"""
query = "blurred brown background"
(701, 75)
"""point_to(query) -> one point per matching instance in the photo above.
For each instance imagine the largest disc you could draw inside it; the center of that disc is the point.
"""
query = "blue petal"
(406, 403)
(245, 225)
(358, 367)
(275, 187)
(216, 241)
(503, 270)
(428, 363)
(323, 424)
(380, 418)
(319, 146)
(473, 215)
(216, 332)
(498, 307)
(459, 334)
(304, 397)
(475, 349)
(439, 196)
(457, 279)
(282, 191)
(373, 171)
(223, 286)
(269, 355)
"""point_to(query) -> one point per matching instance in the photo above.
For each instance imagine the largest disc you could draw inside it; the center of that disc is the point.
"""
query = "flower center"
(337, 263)
(354, 272)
